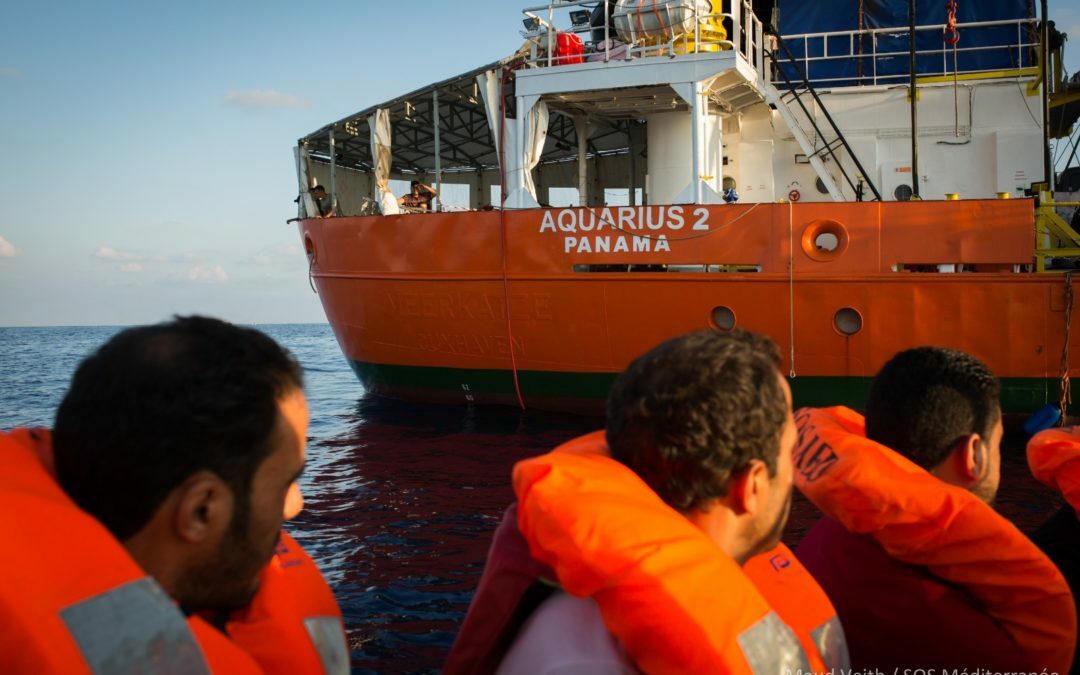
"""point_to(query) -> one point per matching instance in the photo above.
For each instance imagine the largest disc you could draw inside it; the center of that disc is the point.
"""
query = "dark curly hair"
(156, 404)
(925, 399)
(695, 410)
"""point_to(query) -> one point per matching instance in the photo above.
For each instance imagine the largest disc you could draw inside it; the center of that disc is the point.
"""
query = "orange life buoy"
(1054, 458)
(666, 591)
(922, 521)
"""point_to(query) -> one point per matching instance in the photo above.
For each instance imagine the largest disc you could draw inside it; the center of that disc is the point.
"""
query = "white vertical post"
(438, 151)
(736, 25)
(695, 140)
(581, 126)
(333, 174)
(519, 145)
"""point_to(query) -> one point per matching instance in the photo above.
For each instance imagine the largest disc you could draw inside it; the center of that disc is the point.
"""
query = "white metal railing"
(747, 35)
(854, 42)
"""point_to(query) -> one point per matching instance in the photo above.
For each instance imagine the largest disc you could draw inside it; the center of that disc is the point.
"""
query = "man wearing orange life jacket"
(1054, 458)
(923, 573)
(646, 539)
(181, 443)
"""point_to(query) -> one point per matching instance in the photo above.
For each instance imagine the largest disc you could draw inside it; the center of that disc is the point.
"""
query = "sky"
(146, 149)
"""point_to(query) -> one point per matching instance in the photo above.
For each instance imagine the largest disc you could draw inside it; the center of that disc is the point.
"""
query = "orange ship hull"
(553, 303)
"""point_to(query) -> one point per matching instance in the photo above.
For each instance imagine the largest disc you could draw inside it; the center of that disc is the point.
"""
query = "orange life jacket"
(82, 603)
(792, 592)
(1054, 458)
(922, 521)
(667, 592)
(293, 624)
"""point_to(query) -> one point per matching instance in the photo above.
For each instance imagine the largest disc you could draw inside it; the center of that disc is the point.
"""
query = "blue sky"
(146, 165)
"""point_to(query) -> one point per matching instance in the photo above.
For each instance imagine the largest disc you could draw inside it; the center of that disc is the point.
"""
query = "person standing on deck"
(419, 196)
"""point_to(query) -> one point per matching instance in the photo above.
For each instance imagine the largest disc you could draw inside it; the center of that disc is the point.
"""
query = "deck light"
(580, 18)
(531, 23)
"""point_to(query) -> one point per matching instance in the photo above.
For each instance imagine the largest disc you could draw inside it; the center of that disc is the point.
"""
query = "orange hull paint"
(428, 290)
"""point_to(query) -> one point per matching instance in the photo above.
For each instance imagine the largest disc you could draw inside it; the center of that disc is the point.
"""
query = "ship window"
(820, 185)
(903, 193)
(827, 241)
(848, 321)
(723, 318)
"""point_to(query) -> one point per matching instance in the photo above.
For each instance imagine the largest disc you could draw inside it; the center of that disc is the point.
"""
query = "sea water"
(401, 499)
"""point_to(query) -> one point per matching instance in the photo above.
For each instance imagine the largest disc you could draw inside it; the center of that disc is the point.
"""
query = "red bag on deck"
(568, 49)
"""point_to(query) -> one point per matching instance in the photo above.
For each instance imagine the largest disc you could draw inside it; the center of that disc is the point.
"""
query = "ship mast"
(914, 108)
(1044, 59)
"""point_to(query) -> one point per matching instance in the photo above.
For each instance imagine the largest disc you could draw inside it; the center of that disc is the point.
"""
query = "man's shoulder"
(566, 635)
(878, 597)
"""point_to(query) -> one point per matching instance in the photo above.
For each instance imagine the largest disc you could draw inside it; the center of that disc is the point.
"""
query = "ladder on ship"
(802, 96)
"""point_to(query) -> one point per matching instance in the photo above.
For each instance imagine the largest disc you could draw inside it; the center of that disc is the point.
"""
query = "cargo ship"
(851, 178)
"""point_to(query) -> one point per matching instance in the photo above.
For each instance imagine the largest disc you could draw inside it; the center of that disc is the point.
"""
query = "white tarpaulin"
(536, 134)
(489, 85)
(380, 151)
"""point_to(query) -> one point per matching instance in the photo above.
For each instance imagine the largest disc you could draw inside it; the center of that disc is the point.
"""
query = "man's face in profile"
(775, 516)
(229, 578)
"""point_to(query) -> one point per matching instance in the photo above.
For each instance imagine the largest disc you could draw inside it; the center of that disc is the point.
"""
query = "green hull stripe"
(1018, 395)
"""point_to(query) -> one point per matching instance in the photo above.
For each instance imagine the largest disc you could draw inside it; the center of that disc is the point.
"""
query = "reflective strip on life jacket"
(134, 628)
(922, 521)
(674, 600)
(798, 599)
(293, 624)
(1054, 458)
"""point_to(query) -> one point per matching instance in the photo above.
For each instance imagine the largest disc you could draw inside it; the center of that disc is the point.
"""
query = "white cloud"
(205, 274)
(11, 73)
(264, 99)
(276, 255)
(111, 254)
(131, 268)
(7, 249)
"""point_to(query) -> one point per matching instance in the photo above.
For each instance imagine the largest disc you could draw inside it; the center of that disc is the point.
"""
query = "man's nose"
(294, 502)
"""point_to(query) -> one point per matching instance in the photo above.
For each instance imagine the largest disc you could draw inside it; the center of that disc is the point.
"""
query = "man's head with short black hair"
(691, 416)
(927, 402)
(158, 405)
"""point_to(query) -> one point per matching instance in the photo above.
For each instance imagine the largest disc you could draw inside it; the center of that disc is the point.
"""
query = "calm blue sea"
(401, 499)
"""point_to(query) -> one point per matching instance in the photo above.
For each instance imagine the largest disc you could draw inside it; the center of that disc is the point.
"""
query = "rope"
(502, 234)
(952, 37)
(791, 281)
(1066, 383)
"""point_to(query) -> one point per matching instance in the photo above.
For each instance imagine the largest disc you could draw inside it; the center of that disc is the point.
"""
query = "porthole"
(848, 321)
(723, 318)
(824, 240)
(827, 242)
(903, 193)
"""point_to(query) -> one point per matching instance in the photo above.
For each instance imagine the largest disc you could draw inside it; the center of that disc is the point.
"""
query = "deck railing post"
(437, 202)
(333, 173)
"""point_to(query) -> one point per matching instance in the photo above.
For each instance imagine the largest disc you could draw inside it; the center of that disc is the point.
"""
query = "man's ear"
(748, 488)
(971, 457)
(204, 507)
